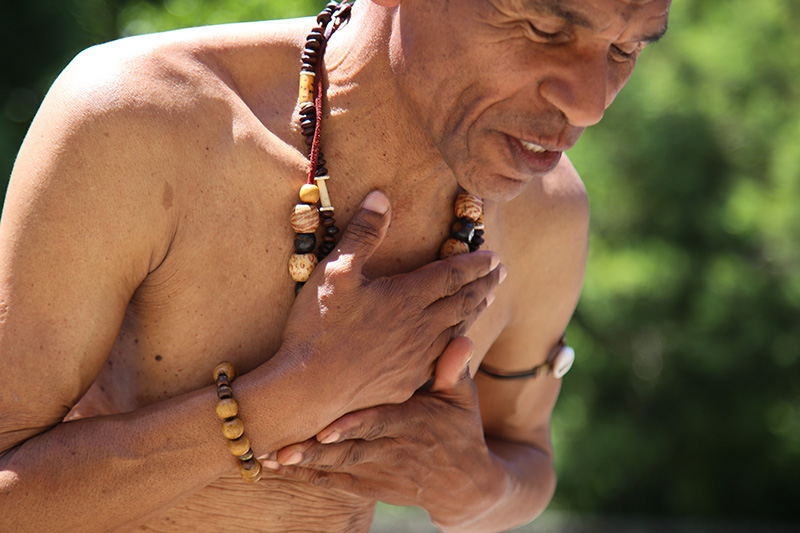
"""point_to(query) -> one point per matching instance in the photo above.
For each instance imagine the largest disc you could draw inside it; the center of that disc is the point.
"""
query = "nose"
(580, 88)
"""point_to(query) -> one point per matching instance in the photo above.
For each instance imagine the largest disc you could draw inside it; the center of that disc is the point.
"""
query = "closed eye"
(622, 55)
(543, 34)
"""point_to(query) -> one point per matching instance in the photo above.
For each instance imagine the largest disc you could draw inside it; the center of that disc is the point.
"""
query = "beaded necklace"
(467, 232)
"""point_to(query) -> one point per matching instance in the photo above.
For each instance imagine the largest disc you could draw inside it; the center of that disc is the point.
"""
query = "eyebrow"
(556, 9)
(654, 37)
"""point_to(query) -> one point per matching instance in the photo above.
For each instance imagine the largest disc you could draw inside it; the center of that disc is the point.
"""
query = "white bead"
(563, 362)
(324, 197)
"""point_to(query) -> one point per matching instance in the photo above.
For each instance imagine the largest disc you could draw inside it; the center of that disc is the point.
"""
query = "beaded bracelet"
(232, 427)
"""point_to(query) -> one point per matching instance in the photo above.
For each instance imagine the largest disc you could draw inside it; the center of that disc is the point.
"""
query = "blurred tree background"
(685, 399)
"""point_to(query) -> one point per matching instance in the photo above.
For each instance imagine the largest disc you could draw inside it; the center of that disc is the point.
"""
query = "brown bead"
(247, 456)
(305, 218)
(253, 475)
(239, 446)
(224, 391)
(233, 429)
(468, 206)
(223, 379)
(227, 408)
(309, 193)
(224, 368)
(301, 266)
(452, 247)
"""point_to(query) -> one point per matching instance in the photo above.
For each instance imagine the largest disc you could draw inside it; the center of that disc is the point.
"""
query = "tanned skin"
(145, 238)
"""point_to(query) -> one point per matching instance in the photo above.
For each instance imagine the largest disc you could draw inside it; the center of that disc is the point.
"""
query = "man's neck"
(371, 135)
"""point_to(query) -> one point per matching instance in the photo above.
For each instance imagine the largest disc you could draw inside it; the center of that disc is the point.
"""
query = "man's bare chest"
(223, 292)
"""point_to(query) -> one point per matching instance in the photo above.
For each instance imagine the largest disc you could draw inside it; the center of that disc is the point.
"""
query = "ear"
(387, 3)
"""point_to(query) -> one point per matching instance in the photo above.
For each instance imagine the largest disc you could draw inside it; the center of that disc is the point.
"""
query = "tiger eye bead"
(227, 408)
(309, 193)
(452, 247)
(305, 218)
(468, 206)
(224, 368)
(463, 230)
(233, 429)
(224, 392)
(252, 475)
(239, 446)
(301, 266)
(304, 243)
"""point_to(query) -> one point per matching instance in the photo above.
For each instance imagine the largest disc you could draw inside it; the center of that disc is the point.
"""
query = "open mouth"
(532, 147)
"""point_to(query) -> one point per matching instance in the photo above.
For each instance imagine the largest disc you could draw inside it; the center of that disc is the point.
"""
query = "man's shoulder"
(555, 208)
(165, 76)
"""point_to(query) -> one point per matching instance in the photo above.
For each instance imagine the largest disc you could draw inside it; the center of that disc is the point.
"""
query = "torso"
(221, 291)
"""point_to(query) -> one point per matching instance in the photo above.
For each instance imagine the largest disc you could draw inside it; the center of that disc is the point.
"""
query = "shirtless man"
(145, 238)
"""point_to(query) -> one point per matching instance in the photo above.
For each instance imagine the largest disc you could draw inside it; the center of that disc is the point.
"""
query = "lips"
(535, 157)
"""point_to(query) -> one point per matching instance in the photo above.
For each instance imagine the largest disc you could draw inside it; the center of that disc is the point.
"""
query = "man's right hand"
(377, 340)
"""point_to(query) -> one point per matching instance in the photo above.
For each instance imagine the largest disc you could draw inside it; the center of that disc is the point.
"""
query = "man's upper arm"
(547, 280)
(75, 242)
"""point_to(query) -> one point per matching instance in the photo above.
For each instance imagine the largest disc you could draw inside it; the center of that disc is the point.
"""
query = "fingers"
(448, 276)
(366, 230)
(463, 308)
(452, 364)
(330, 457)
(368, 424)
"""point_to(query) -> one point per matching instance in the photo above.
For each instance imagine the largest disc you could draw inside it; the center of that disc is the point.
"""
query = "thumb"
(366, 230)
(452, 364)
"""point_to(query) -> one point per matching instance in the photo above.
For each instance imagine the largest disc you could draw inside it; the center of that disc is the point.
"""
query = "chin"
(495, 187)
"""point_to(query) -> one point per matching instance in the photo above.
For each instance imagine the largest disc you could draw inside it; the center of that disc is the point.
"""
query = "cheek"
(617, 79)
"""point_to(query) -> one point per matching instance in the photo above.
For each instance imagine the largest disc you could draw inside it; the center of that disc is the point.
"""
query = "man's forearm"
(525, 481)
(96, 474)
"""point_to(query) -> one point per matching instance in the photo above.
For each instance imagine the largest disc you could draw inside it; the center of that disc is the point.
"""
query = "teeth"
(533, 147)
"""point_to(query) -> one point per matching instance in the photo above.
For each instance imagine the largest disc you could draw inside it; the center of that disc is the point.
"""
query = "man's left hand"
(428, 452)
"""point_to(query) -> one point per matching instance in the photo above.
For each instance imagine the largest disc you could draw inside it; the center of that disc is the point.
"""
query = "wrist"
(280, 400)
(492, 484)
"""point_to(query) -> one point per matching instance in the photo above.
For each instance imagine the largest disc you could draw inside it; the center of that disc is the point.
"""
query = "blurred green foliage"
(685, 400)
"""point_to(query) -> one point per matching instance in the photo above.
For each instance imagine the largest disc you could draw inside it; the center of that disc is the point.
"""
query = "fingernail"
(376, 201)
(503, 273)
(293, 459)
(332, 437)
(495, 262)
(272, 465)
(490, 299)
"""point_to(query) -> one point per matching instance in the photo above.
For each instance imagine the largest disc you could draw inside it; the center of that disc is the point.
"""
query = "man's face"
(503, 87)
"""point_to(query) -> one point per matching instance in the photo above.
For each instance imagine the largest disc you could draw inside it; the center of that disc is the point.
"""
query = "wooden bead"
(306, 87)
(468, 206)
(224, 391)
(452, 247)
(309, 193)
(301, 266)
(239, 446)
(463, 230)
(304, 243)
(305, 218)
(227, 408)
(252, 475)
(224, 368)
(233, 429)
